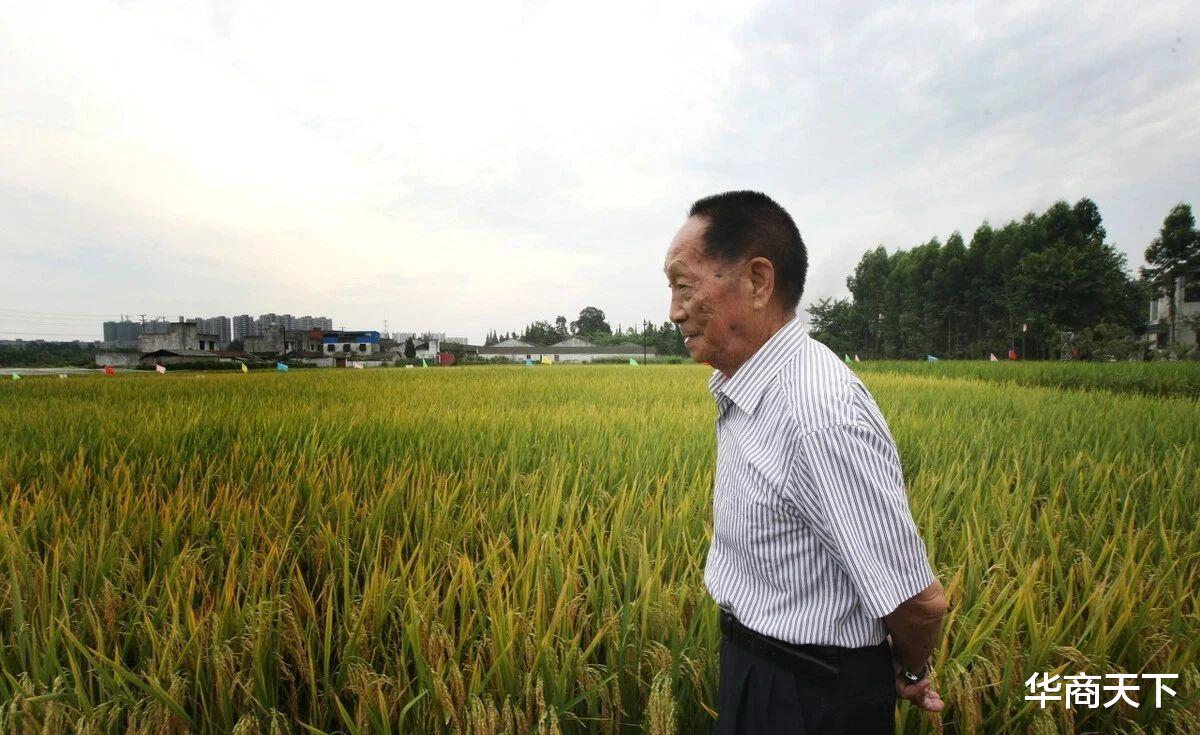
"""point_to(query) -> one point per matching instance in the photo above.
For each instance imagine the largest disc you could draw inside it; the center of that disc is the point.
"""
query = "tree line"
(592, 326)
(1048, 286)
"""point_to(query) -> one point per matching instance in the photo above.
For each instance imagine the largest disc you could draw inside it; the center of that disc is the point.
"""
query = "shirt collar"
(746, 387)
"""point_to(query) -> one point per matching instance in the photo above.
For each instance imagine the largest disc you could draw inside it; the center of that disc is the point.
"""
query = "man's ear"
(761, 273)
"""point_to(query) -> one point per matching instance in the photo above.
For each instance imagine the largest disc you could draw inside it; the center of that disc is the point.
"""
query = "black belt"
(809, 658)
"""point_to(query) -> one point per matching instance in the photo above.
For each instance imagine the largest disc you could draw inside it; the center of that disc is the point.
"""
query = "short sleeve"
(850, 484)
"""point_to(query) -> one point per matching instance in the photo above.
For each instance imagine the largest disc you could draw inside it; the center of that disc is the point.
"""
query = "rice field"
(520, 550)
(1147, 378)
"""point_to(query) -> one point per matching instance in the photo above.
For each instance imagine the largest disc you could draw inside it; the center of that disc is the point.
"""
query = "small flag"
(108, 370)
(160, 368)
(632, 361)
(281, 367)
(357, 365)
(1024, 327)
(992, 357)
(423, 363)
(856, 358)
(16, 377)
(1012, 353)
(547, 360)
(408, 366)
(62, 376)
(931, 358)
(528, 362)
(244, 368)
(847, 359)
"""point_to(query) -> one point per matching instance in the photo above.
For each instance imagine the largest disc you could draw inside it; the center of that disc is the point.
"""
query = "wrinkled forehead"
(686, 255)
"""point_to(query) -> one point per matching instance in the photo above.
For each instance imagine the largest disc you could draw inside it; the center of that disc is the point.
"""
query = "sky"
(463, 168)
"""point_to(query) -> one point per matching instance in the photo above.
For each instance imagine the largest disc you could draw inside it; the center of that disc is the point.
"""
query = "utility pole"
(644, 323)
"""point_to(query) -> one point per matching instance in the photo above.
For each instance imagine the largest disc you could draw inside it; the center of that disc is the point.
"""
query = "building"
(156, 326)
(425, 349)
(181, 335)
(568, 350)
(345, 342)
(1187, 308)
(124, 334)
(276, 341)
(121, 334)
(117, 359)
(313, 322)
(243, 326)
(286, 322)
(218, 325)
(175, 356)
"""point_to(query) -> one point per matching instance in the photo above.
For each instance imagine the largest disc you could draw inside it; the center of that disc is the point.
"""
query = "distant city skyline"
(285, 320)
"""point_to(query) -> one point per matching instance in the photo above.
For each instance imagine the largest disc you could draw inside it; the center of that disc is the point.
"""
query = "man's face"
(706, 301)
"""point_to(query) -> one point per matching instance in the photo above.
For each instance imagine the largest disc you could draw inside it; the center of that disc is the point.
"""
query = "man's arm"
(914, 626)
(853, 486)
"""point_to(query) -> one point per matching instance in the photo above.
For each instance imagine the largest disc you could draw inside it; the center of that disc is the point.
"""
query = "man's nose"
(676, 312)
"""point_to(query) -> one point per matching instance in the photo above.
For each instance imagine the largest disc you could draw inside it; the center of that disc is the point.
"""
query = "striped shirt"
(813, 540)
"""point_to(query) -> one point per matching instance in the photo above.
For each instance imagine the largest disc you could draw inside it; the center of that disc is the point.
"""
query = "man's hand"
(920, 694)
(912, 630)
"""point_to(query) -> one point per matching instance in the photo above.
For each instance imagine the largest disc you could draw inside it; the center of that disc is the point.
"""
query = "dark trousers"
(760, 696)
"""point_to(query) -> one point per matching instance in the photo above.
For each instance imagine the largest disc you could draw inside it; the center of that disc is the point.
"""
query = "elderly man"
(829, 607)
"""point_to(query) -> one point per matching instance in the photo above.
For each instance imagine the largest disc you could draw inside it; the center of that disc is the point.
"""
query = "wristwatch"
(910, 678)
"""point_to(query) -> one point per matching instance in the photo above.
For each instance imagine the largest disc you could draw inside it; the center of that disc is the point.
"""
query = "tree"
(560, 326)
(1053, 272)
(410, 349)
(1172, 257)
(540, 333)
(832, 323)
(867, 289)
(591, 321)
(948, 291)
